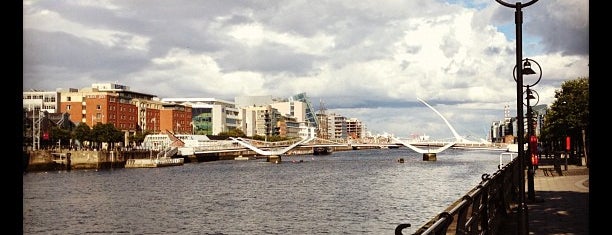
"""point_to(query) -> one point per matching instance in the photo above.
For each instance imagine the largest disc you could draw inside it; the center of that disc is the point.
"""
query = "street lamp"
(532, 143)
(527, 70)
(518, 20)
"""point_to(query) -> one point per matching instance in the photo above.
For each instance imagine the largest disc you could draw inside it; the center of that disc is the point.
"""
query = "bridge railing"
(482, 209)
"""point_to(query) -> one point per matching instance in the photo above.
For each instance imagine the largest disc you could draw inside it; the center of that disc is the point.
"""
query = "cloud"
(367, 59)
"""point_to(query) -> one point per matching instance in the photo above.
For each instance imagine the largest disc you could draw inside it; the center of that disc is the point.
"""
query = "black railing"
(481, 210)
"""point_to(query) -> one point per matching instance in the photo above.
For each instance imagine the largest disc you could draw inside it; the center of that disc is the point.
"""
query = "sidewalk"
(561, 206)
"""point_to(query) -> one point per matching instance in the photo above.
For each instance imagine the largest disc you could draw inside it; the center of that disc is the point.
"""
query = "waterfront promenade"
(561, 206)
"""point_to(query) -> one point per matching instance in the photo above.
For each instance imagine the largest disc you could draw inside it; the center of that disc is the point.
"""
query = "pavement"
(561, 205)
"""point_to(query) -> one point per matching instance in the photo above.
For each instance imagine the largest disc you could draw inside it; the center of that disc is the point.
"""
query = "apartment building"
(260, 120)
(41, 101)
(127, 110)
(176, 118)
(336, 127)
(210, 116)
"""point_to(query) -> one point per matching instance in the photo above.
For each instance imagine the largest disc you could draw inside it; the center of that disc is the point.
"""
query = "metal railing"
(482, 209)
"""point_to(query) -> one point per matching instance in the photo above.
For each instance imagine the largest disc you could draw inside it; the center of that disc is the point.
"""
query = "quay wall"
(46, 160)
(51, 160)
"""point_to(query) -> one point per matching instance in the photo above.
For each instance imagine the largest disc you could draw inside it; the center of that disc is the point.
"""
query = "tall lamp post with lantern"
(518, 20)
(533, 140)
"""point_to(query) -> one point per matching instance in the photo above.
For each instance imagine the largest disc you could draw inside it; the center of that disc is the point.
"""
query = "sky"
(371, 59)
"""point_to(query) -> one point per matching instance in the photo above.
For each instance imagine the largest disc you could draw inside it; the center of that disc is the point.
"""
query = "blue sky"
(362, 59)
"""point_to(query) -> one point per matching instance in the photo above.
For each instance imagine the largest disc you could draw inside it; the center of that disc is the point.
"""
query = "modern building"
(260, 120)
(210, 116)
(310, 112)
(41, 101)
(336, 127)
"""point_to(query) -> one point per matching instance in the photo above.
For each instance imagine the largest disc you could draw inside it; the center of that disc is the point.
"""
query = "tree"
(60, 136)
(569, 116)
(138, 138)
(232, 133)
(106, 133)
(82, 133)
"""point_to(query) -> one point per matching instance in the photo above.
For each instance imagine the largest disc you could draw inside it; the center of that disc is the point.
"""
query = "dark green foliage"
(568, 115)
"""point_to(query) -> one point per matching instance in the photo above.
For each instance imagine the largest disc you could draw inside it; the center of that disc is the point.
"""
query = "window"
(98, 107)
(67, 107)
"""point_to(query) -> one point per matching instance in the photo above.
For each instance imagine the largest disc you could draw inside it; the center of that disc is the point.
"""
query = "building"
(260, 120)
(355, 128)
(336, 127)
(45, 101)
(175, 118)
(210, 116)
(127, 110)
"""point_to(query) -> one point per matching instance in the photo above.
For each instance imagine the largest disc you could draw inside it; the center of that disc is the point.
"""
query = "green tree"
(569, 116)
(82, 133)
(138, 138)
(60, 136)
(108, 133)
(232, 133)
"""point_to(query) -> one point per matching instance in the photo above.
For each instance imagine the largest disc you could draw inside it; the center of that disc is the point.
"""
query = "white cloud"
(367, 59)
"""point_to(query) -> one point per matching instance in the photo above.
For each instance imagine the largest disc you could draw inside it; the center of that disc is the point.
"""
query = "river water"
(349, 192)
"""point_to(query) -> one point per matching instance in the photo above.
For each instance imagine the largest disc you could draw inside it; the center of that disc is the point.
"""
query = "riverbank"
(68, 159)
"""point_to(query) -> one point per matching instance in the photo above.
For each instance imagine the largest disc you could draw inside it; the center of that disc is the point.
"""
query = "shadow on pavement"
(554, 212)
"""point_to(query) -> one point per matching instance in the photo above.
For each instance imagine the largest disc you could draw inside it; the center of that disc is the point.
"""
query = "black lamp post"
(518, 20)
(527, 70)
(531, 134)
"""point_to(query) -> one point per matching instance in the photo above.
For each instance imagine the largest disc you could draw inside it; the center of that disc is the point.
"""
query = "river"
(349, 192)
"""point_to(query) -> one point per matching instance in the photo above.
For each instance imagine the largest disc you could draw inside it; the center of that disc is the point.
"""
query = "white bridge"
(279, 148)
(458, 141)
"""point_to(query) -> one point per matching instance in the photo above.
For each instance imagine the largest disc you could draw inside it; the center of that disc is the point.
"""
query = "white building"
(42, 101)
(210, 116)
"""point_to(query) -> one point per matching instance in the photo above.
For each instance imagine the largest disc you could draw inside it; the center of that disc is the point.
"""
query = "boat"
(321, 150)
(149, 163)
(162, 159)
(243, 158)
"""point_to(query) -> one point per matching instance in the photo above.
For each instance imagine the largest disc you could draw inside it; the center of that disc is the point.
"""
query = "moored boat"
(321, 150)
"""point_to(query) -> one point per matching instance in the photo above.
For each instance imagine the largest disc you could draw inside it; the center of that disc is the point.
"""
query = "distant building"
(210, 116)
(46, 101)
(260, 120)
(355, 128)
(337, 127)
(127, 110)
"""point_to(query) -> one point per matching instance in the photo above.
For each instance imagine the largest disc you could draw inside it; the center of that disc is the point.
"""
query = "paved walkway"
(561, 206)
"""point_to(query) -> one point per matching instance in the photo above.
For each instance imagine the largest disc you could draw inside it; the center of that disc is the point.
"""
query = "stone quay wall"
(70, 159)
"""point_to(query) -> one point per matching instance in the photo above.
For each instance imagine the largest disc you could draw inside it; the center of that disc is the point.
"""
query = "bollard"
(68, 161)
(566, 157)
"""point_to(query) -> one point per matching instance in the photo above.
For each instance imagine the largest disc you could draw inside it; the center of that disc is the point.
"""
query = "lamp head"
(530, 95)
(527, 68)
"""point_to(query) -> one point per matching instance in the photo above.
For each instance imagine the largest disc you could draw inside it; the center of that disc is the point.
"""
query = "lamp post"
(527, 70)
(532, 142)
(518, 20)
